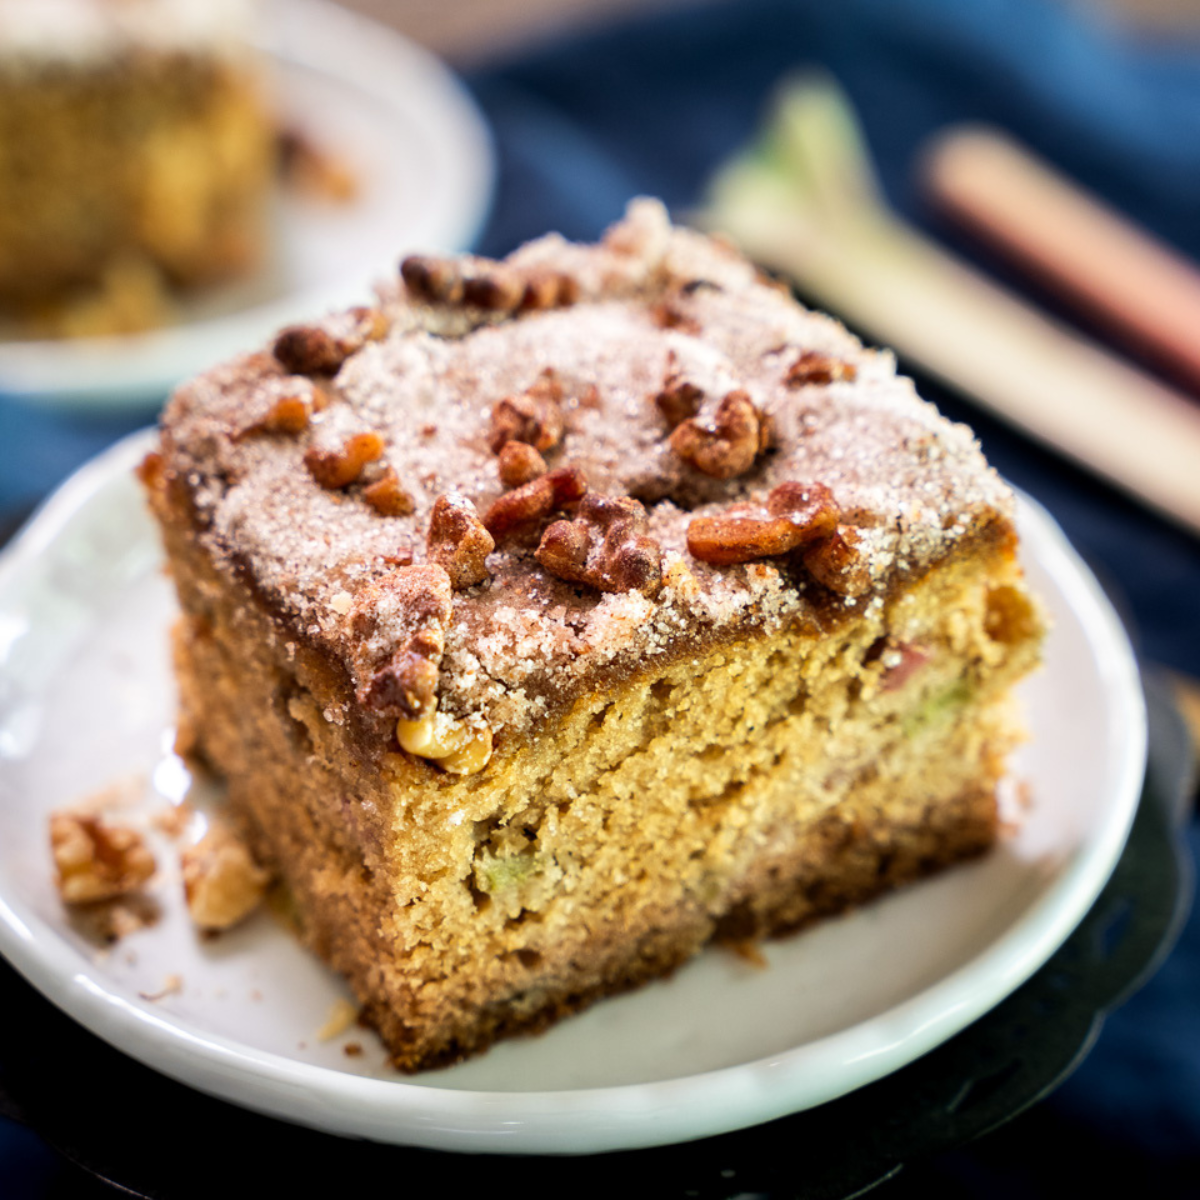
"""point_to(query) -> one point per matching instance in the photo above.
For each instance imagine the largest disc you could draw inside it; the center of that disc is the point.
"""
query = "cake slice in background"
(136, 159)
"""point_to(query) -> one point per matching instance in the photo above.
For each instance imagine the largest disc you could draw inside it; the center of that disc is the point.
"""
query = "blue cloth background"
(653, 107)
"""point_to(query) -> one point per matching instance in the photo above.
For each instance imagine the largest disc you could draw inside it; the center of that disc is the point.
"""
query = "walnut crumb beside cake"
(555, 616)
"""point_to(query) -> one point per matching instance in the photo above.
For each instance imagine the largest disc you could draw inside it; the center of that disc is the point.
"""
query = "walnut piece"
(528, 504)
(456, 746)
(458, 541)
(221, 881)
(289, 414)
(728, 445)
(838, 563)
(549, 289)
(486, 284)
(533, 417)
(497, 288)
(340, 467)
(431, 279)
(476, 282)
(321, 349)
(795, 515)
(668, 315)
(386, 495)
(678, 401)
(813, 367)
(605, 547)
(399, 624)
(150, 470)
(96, 860)
(281, 404)
(519, 464)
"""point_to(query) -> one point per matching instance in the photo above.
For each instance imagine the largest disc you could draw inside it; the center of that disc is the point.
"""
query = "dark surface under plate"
(152, 1137)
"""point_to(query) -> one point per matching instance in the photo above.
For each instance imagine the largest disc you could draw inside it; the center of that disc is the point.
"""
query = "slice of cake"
(558, 615)
(136, 158)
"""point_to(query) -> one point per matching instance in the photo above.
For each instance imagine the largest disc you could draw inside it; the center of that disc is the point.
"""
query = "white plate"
(423, 157)
(86, 697)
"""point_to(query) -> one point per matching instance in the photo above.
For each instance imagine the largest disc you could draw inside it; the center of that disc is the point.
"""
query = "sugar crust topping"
(649, 303)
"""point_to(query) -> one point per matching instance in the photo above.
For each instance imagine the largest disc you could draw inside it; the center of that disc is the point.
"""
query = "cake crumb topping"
(453, 423)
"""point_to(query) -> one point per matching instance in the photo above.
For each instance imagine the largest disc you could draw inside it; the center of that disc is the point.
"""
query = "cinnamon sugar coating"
(448, 375)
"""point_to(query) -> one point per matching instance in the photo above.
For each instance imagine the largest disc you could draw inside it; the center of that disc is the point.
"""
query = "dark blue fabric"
(653, 107)
(656, 107)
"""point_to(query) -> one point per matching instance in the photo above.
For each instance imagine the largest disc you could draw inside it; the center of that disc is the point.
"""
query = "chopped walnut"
(678, 401)
(280, 404)
(606, 547)
(401, 676)
(458, 541)
(386, 495)
(458, 747)
(809, 504)
(221, 881)
(401, 558)
(727, 445)
(150, 470)
(496, 287)
(528, 504)
(321, 349)
(289, 414)
(96, 860)
(549, 289)
(795, 515)
(533, 417)
(519, 464)
(814, 367)
(338, 468)
(838, 563)
(668, 315)
(478, 282)
(431, 279)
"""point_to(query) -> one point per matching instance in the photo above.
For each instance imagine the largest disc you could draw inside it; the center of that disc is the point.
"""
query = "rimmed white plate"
(421, 153)
(86, 698)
